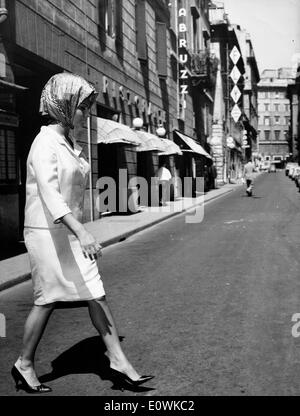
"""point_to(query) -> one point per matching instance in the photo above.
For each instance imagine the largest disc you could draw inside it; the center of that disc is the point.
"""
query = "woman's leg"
(34, 329)
(104, 323)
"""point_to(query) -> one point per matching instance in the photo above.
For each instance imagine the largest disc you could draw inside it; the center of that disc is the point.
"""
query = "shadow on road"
(87, 357)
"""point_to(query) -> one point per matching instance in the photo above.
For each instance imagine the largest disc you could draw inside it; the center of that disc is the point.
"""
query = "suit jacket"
(56, 180)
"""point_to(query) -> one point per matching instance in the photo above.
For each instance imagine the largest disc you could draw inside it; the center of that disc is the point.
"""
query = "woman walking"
(62, 252)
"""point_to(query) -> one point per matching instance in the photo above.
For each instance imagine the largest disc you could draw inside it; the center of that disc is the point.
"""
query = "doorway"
(34, 76)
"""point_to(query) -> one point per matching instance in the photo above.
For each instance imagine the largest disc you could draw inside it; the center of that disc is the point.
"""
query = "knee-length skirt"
(59, 269)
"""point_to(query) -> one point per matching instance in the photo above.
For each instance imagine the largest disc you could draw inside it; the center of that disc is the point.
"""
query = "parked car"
(272, 168)
(287, 168)
(296, 175)
(291, 169)
(297, 181)
(295, 171)
(265, 165)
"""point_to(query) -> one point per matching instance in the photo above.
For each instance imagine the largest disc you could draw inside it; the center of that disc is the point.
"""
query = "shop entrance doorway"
(32, 74)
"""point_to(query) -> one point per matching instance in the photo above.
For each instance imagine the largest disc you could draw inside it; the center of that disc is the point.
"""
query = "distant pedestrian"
(164, 176)
(248, 175)
(62, 252)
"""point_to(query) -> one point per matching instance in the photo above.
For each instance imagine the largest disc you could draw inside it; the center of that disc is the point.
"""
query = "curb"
(124, 236)
(14, 282)
(118, 239)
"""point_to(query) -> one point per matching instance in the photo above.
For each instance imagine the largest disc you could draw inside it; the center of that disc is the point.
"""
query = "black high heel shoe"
(21, 383)
(122, 380)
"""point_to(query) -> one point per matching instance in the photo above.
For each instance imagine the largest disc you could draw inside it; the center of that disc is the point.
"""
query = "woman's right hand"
(90, 246)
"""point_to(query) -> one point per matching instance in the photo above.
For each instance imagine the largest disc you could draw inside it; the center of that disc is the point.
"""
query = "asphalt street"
(207, 308)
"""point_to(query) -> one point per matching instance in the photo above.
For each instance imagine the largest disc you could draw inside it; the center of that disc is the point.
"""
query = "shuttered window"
(173, 16)
(141, 39)
(119, 28)
(277, 134)
(161, 49)
(111, 23)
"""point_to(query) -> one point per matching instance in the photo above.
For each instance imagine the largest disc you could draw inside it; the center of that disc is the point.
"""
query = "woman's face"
(82, 113)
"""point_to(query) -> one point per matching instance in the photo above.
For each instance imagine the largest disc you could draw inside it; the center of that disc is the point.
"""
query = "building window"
(196, 45)
(141, 38)
(267, 121)
(161, 49)
(261, 95)
(267, 135)
(277, 120)
(110, 22)
(173, 16)
(109, 9)
(276, 107)
(8, 160)
(277, 134)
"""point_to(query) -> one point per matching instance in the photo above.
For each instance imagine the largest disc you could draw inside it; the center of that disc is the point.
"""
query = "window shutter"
(119, 28)
(161, 49)
(173, 18)
(141, 42)
(102, 29)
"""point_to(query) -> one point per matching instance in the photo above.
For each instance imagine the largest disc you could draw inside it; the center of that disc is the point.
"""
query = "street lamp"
(161, 131)
(137, 123)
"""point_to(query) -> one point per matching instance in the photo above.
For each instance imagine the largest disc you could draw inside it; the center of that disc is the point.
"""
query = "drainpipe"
(3, 11)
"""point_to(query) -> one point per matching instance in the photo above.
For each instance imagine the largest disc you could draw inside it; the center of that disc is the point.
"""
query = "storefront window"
(8, 163)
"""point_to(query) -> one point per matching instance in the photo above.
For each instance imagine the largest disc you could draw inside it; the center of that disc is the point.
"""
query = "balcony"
(204, 67)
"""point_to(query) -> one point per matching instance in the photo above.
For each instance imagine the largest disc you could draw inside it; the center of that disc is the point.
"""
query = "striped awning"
(111, 132)
(187, 144)
(149, 142)
(171, 148)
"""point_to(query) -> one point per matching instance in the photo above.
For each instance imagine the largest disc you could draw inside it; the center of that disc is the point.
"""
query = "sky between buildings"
(274, 27)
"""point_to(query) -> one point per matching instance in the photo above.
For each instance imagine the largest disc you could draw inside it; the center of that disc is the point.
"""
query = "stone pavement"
(113, 229)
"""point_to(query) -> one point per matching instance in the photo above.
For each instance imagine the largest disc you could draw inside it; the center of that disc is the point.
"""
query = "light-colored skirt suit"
(56, 182)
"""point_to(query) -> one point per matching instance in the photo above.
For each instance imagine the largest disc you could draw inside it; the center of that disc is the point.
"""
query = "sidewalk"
(113, 229)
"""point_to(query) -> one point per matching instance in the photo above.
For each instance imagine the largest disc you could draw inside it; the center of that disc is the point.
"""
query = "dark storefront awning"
(188, 144)
(149, 142)
(11, 85)
(111, 132)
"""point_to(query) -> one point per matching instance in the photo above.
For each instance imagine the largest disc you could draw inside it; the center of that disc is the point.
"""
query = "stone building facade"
(274, 114)
(225, 40)
(293, 93)
(128, 49)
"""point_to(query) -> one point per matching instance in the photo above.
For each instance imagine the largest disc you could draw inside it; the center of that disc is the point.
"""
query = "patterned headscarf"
(62, 95)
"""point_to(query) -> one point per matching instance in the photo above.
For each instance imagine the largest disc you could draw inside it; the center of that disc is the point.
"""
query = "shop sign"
(110, 88)
(235, 55)
(236, 113)
(183, 59)
(235, 74)
(236, 94)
